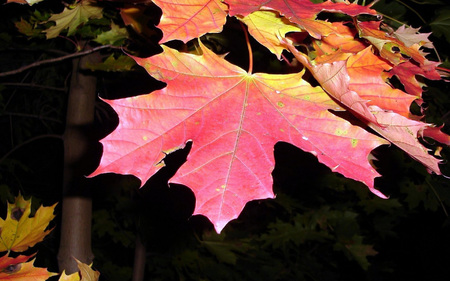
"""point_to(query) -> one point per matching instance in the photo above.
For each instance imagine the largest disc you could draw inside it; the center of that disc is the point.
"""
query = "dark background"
(304, 234)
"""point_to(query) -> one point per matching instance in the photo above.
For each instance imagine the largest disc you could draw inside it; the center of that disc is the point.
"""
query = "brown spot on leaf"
(395, 49)
(16, 214)
(13, 268)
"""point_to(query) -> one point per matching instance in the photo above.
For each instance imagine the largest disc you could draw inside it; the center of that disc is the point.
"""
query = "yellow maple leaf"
(19, 231)
(86, 273)
(267, 26)
(72, 17)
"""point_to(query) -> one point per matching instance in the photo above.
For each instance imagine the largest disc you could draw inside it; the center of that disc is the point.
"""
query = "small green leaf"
(122, 63)
(115, 36)
(441, 24)
(27, 28)
(71, 18)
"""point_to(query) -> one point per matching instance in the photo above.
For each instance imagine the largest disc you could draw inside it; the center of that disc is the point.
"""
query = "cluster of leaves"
(234, 117)
(21, 230)
(18, 232)
(246, 244)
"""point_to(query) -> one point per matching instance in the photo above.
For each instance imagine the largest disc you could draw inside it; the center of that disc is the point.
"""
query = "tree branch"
(27, 142)
(53, 60)
(37, 86)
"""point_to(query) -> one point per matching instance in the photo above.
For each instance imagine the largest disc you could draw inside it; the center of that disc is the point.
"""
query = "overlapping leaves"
(234, 118)
(18, 232)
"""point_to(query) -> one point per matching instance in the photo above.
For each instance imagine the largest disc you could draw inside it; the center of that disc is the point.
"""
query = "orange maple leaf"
(407, 72)
(19, 231)
(341, 78)
(17, 269)
(185, 20)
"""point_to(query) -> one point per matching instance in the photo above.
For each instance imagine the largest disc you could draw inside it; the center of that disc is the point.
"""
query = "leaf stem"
(249, 47)
(412, 10)
(437, 197)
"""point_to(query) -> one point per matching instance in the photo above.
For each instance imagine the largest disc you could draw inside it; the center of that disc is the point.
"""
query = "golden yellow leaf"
(86, 273)
(267, 27)
(19, 231)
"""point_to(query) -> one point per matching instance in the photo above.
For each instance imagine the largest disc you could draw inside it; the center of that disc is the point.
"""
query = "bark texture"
(75, 240)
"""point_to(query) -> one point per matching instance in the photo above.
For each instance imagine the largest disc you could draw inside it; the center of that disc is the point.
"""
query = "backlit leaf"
(85, 273)
(188, 19)
(234, 120)
(19, 231)
(18, 269)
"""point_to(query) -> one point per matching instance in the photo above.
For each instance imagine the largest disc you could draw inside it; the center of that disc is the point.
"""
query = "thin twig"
(20, 50)
(27, 142)
(19, 114)
(437, 197)
(32, 85)
(53, 60)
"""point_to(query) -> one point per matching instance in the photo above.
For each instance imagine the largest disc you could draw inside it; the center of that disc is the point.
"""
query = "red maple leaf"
(407, 72)
(234, 120)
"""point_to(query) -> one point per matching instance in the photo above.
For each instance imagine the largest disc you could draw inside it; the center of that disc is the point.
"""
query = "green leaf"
(223, 250)
(72, 17)
(441, 24)
(122, 63)
(25, 27)
(115, 36)
(355, 249)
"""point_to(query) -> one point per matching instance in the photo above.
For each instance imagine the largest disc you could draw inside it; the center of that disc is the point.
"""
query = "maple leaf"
(86, 273)
(114, 36)
(301, 12)
(18, 269)
(266, 26)
(122, 63)
(19, 231)
(234, 120)
(344, 40)
(406, 72)
(411, 36)
(393, 49)
(340, 80)
(185, 20)
(366, 71)
(27, 28)
(72, 17)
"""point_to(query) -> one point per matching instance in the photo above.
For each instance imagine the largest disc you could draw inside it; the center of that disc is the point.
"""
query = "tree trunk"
(139, 260)
(75, 240)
